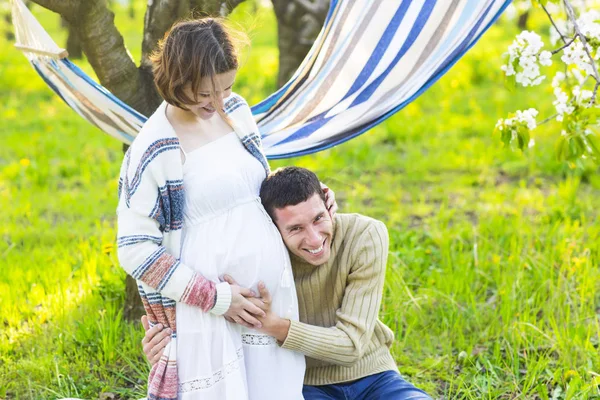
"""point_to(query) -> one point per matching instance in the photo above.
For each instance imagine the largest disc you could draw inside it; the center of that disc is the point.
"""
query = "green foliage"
(493, 273)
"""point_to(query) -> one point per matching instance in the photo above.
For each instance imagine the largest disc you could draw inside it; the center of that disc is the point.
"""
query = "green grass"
(493, 273)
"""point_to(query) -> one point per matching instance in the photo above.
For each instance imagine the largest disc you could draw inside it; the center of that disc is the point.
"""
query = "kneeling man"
(339, 271)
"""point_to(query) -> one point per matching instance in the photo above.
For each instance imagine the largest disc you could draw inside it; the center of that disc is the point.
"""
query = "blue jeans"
(387, 385)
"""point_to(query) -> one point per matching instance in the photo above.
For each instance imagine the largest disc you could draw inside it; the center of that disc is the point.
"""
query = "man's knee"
(390, 385)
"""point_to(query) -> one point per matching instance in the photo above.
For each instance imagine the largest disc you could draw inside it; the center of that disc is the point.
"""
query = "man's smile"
(318, 251)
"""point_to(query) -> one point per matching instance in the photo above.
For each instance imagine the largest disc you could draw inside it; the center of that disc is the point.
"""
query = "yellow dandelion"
(570, 374)
(107, 248)
(454, 84)
(25, 162)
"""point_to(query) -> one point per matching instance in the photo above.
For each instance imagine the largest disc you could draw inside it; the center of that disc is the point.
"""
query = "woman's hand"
(241, 309)
(155, 341)
(330, 202)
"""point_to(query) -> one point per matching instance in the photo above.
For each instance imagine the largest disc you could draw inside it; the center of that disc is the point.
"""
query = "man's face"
(306, 229)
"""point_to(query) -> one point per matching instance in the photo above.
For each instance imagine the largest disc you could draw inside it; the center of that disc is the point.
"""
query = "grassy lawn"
(493, 274)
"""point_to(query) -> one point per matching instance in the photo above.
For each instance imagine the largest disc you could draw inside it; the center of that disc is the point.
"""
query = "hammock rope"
(370, 60)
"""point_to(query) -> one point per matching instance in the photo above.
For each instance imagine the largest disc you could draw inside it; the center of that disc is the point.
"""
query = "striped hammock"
(371, 58)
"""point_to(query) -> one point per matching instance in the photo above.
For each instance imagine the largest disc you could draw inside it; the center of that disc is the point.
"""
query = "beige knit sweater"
(339, 302)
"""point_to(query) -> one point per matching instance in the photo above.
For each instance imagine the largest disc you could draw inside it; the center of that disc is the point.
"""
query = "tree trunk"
(133, 309)
(523, 19)
(73, 43)
(8, 33)
(298, 24)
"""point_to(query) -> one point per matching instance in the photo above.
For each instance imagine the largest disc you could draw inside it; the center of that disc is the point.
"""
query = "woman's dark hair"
(289, 186)
(190, 51)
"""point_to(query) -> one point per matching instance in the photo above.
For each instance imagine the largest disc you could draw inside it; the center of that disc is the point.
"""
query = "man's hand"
(155, 340)
(272, 324)
(242, 311)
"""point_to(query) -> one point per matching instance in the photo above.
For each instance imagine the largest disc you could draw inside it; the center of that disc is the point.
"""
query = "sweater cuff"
(223, 299)
(295, 337)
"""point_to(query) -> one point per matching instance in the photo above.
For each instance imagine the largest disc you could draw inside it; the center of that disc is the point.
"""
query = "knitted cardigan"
(150, 221)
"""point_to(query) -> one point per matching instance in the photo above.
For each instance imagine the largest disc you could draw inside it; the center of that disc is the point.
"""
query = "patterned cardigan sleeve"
(141, 232)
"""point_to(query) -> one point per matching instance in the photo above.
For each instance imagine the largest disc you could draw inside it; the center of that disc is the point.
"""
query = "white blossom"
(545, 58)
(582, 97)
(575, 54)
(528, 117)
(558, 79)
(577, 75)
(561, 104)
(588, 24)
(525, 53)
(524, 118)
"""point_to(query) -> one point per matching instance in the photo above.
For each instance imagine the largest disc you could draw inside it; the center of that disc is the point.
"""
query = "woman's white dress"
(227, 231)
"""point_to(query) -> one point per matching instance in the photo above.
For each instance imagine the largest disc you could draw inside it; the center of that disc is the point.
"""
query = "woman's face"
(206, 107)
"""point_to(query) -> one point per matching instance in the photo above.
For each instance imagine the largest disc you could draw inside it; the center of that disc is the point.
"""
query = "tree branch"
(553, 24)
(571, 14)
(106, 52)
(105, 49)
(550, 118)
(66, 8)
(564, 46)
(160, 16)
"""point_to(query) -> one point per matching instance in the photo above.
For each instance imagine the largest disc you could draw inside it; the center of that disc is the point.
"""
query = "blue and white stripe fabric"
(370, 60)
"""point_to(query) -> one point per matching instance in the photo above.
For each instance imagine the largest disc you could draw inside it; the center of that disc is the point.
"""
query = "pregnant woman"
(189, 213)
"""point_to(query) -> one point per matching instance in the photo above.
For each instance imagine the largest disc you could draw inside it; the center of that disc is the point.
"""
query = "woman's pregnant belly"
(242, 242)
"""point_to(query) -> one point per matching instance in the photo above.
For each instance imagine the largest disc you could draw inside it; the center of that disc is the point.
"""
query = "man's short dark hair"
(289, 186)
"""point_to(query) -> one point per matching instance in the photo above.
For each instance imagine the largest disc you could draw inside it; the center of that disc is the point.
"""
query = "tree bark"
(8, 33)
(65, 8)
(73, 43)
(298, 24)
(523, 19)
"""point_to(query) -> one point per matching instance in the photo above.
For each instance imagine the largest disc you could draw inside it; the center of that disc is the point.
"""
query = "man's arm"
(345, 342)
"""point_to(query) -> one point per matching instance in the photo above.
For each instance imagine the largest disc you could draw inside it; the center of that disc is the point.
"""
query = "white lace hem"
(217, 376)
(258, 340)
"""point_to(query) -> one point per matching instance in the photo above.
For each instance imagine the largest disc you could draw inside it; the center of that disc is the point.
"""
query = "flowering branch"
(550, 118)
(561, 48)
(575, 105)
(583, 39)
